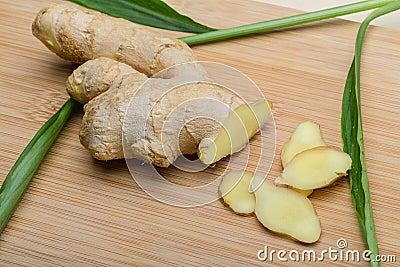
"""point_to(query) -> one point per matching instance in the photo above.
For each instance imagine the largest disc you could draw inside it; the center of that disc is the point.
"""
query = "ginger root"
(102, 125)
(97, 76)
(165, 123)
(148, 135)
(78, 34)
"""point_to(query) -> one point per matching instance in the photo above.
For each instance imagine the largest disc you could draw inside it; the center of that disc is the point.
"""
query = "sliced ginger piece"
(315, 168)
(235, 191)
(284, 211)
(238, 128)
(306, 136)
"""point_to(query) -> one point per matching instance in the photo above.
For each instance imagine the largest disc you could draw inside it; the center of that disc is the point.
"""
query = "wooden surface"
(79, 211)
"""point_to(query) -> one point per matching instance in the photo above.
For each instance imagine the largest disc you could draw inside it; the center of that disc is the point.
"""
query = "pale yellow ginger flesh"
(279, 209)
(238, 128)
(315, 168)
(287, 212)
(309, 164)
(303, 192)
(236, 192)
(307, 135)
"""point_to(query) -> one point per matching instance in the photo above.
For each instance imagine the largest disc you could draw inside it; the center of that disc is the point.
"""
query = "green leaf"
(20, 175)
(349, 130)
(352, 135)
(154, 13)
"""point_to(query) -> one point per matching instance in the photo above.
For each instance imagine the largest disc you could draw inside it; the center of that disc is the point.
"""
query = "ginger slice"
(287, 212)
(315, 168)
(238, 128)
(306, 136)
(235, 191)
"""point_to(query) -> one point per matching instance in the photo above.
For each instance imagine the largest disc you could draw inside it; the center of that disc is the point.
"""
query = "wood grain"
(80, 212)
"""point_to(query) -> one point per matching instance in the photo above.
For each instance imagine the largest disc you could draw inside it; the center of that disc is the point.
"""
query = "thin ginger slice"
(315, 168)
(306, 136)
(287, 212)
(235, 191)
(237, 129)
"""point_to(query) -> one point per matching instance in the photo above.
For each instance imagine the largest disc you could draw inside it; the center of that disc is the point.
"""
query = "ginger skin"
(78, 34)
(97, 76)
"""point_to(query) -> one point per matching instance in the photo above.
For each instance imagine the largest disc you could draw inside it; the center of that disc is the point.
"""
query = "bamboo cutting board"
(79, 211)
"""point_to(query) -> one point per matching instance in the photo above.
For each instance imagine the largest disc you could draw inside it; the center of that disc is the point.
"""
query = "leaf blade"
(349, 132)
(154, 13)
(20, 175)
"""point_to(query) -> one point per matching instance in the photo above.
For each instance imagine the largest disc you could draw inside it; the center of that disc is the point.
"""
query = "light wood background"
(79, 211)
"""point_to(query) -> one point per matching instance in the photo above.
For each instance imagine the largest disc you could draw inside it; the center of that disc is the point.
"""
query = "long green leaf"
(352, 135)
(349, 130)
(153, 13)
(25, 167)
